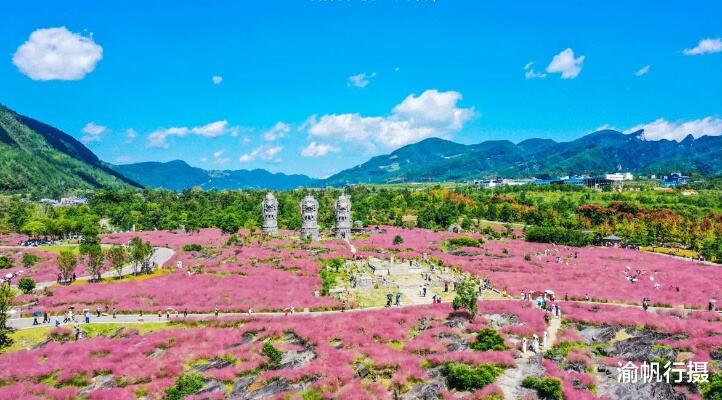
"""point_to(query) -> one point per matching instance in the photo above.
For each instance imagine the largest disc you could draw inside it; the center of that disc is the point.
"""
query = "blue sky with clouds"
(317, 86)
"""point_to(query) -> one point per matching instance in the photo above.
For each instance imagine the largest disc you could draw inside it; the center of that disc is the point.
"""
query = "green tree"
(92, 253)
(466, 296)
(67, 261)
(117, 257)
(465, 377)
(140, 254)
(6, 297)
(26, 285)
(34, 228)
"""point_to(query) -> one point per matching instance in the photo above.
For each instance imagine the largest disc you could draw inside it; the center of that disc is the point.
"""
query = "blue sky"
(317, 86)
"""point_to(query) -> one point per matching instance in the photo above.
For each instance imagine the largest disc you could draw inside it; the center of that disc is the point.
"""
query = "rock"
(456, 342)
(212, 385)
(296, 358)
(159, 351)
(599, 334)
(497, 321)
(217, 363)
(456, 322)
(716, 355)
(268, 390)
(431, 389)
(609, 387)
(99, 382)
(240, 386)
(362, 370)
(639, 347)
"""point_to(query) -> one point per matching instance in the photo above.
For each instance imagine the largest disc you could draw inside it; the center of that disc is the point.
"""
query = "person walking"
(46, 318)
(86, 314)
(113, 312)
(185, 312)
(215, 311)
(398, 298)
(389, 299)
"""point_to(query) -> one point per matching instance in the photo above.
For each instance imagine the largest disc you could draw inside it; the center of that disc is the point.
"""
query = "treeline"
(644, 217)
(558, 235)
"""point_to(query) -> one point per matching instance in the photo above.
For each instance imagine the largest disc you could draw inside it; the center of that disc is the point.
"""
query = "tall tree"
(466, 296)
(6, 296)
(67, 261)
(92, 252)
(117, 257)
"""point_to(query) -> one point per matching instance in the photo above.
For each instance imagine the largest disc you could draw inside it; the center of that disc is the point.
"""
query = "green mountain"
(42, 161)
(599, 152)
(178, 175)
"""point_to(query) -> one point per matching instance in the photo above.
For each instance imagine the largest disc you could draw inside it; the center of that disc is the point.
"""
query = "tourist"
(535, 343)
(586, 297)
(35, 320)
(389, 299)
(215, 311)
(185, 312)
(97, 311)
(113, 312)
(566, 296)
(57, 323)
(398, 298)
(524, 345)
(523, 295)
(46, 318)
(545, 340)
(160, 314)
(711, 305)
(77, 331)
(167, 314)
(74, 277)
(423, 290)
(546, 317)
(446, 286)
(86, 314)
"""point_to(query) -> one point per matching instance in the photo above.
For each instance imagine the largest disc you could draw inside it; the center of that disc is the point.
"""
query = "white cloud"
(432, 113)
(93, 132)
(159, 137)
(265, 153)
(361, 80)
(566, 64)
(642, 71)
(318, 150)
(57, 54)
(276, 132)
(678, 130)
(130, 135)
(217, 79)
(705, 46)
(529, 72)
(218, 157)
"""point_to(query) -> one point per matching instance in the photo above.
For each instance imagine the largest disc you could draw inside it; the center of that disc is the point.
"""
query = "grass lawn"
(673, 252)
(28, 338)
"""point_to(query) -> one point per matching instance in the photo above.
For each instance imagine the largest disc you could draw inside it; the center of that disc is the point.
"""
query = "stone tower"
(309, 216)
(270, 214)
(343, 217)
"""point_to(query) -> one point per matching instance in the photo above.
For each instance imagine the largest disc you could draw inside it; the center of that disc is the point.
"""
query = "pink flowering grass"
(153, 361)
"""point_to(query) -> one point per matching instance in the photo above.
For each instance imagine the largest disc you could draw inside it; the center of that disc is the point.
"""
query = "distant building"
(65, 201)
(612, 241)
(675, 180)
(619, 176)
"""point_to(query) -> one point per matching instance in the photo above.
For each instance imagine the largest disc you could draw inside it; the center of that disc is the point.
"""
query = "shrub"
(527, 257)
(274, 355)
(561, 350)
(26, 285)
(547, 387)
(712, 390)
(488, 340)
(464, 242)
(29, 259)
(192, 247)
(186, 385)
(61, 334)
(5, 262)
(398, 240)
(465, 377)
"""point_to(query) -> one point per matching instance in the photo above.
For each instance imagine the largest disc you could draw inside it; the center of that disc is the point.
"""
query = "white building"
(619, 176)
